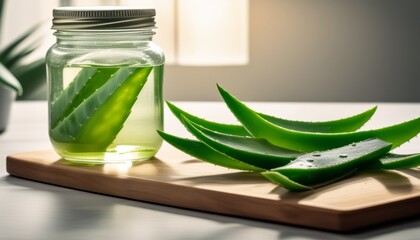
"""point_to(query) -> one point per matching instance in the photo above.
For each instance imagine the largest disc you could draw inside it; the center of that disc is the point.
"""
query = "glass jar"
(105, 85)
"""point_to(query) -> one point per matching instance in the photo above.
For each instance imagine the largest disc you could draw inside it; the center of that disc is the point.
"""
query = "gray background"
(317, 50)
(300, 50)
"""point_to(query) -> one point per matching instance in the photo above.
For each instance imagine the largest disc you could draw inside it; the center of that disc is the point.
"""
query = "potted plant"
(17, 77)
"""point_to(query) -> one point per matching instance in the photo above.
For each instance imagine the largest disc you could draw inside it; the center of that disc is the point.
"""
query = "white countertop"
(32, 210)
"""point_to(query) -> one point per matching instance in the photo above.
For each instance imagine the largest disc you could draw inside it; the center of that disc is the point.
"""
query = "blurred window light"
(212, 32)
(196, 32)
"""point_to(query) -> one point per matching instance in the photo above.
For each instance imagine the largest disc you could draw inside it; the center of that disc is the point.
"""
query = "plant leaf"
(318, 167)
(32, 77)
(9, 81)
(348, 124)
(280, 179)
(398, 161)
(14, 59)
(201, 151)
(255, 151)
(95, 123)
(309, 141)
(5, 53)
(62, 105)
(215, 126)
(1, 12)
(291, 185)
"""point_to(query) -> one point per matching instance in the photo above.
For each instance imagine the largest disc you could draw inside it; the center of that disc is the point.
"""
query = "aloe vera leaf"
(309, 142)
(1, 11)
(254, 151)
(285, 182)
(318, 167)
(201, 151)
(32, 77)
(100, 77)
(13, 60)
(397, 161)
(64, 102)
(85, 84)
(291, 185)
(9, 81)
(348, 124)
(9, 49)
(343, 125)
(94, 124)
(24, 71)
(215, 126)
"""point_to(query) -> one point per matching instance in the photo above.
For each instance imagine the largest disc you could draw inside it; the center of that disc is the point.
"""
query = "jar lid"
(102, 18)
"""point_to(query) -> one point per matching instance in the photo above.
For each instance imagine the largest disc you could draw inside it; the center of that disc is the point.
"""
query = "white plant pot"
(6, 99)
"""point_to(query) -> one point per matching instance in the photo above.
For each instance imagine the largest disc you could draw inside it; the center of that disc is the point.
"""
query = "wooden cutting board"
(174, 179)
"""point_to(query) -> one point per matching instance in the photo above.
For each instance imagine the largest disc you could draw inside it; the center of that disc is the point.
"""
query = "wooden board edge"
(374, 216)
(208, 200)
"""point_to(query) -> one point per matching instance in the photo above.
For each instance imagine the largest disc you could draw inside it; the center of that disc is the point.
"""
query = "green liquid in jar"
(106, 114)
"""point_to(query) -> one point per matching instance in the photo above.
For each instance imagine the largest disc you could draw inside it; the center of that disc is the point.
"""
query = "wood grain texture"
(174, 179)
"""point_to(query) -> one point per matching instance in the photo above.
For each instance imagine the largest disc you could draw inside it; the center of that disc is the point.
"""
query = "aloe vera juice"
(101, 114)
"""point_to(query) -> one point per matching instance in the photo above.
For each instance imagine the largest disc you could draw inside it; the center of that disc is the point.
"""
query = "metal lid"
(102, 18)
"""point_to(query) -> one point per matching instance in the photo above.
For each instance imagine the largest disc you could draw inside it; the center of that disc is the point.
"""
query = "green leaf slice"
(291, 185)
(280, 179)
(201, 151)
(308, 142)
(348, 124)
(342, 125)
(94, 124)
(398, 161)
(319, 167)
(254, 151)
(87, 81)
(231, 129)
(62, 105)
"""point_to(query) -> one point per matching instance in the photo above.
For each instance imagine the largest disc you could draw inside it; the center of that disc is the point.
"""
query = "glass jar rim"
(102, 18)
